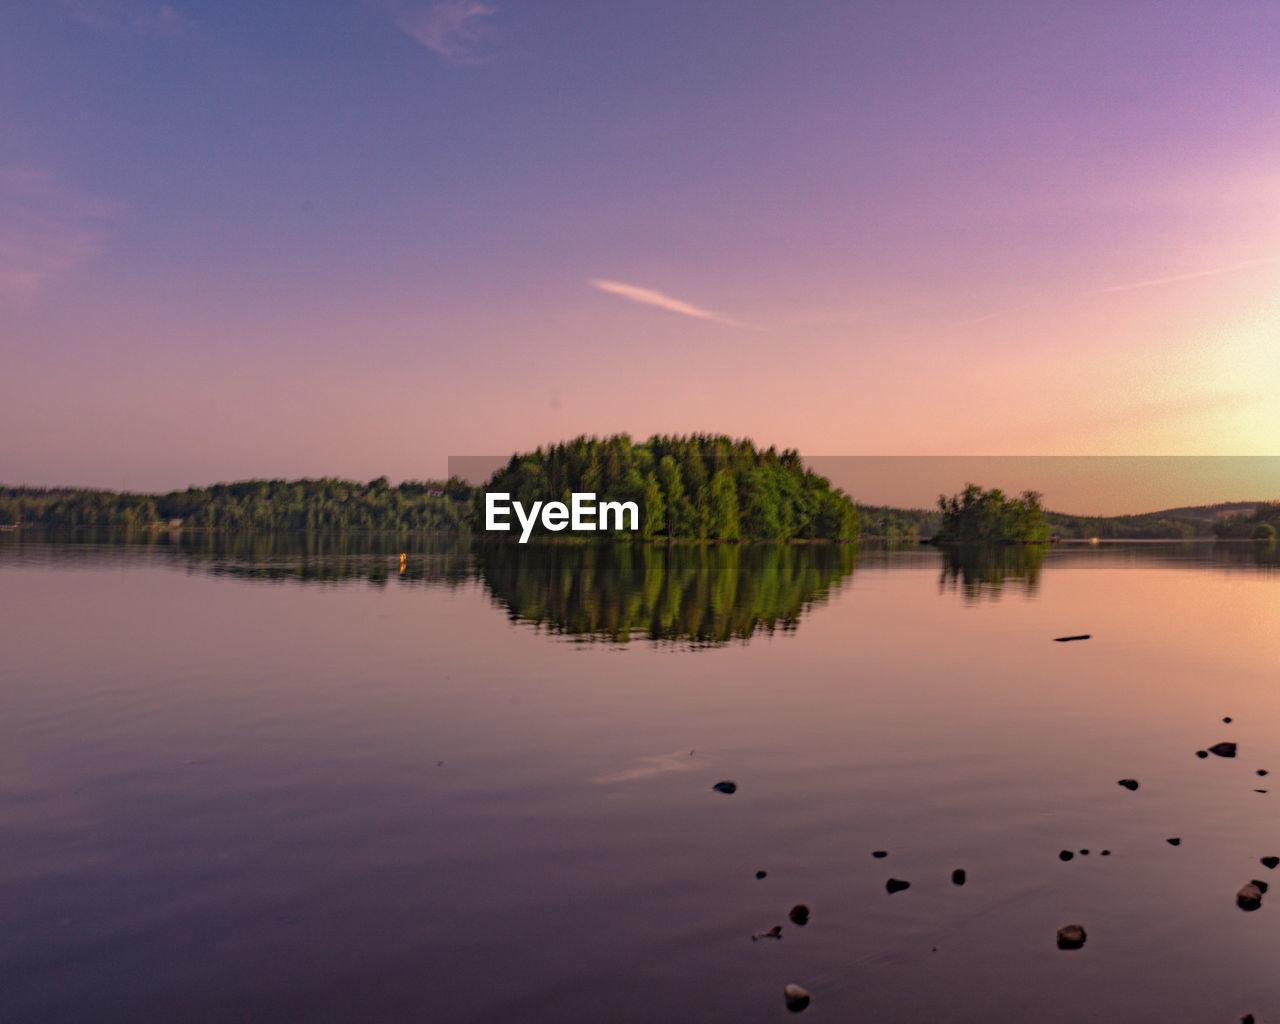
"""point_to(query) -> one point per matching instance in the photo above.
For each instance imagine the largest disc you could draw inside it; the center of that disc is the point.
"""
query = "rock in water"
(1129, 784)
(1065, 639)
(1270, 862)
(1250, 895)
(1202, 753)
(1227, 720)
(1106, 853)
(879, 854)
(1223, 749)
(725, 787)
(896, 885)
(1175, 841)
(797, 998)
(761, 874)
(1261, 771)
(1065, 855)
(1071, 936)
(958, 877)
(799, 914)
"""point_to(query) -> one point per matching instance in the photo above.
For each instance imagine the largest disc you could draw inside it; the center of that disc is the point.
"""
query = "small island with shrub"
(976, 516)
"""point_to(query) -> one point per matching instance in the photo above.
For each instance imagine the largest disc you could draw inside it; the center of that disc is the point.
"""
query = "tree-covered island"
(976, 516)
(699, 487)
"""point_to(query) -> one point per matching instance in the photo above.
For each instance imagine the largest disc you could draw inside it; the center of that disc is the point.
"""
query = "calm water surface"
(264, 782)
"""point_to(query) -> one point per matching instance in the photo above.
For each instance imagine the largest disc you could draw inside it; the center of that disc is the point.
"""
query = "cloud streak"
(648, 297)
(1128, 286)
(454, 30)
(1214, 272)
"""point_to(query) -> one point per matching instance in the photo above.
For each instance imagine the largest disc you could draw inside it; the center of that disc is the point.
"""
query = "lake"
(282, 780)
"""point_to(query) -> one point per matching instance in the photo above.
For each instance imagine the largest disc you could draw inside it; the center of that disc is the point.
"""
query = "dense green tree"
(724, 507)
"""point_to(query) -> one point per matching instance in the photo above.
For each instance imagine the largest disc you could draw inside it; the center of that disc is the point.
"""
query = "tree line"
(1263, 523)
(252, 505)
(699, 487)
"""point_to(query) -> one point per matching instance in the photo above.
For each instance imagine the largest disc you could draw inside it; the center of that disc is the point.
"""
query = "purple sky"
(355, 238)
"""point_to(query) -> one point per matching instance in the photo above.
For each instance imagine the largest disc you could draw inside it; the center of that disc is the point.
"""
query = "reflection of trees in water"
(332, 558)
(980, 570)
(701, 593)
(1260, 554)
(704, 594)
(306, 557)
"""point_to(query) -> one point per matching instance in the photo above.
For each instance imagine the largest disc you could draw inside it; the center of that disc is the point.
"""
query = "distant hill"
(1226, 518)
(1209, 513)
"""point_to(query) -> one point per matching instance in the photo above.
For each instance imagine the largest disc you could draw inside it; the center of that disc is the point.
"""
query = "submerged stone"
(1223, 749)
(725, 787)
(1129, 784)
(797, 998)
(1250, 895)
(896, 885)
(1071, 936)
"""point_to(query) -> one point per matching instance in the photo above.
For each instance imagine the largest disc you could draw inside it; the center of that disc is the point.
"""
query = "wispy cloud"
(455, 30)
(134, 16)
(1213, 272)
(45, 230)
(1128, 286)
(647, 297)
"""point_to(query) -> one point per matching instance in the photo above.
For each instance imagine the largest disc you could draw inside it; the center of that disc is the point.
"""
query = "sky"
(358, 237)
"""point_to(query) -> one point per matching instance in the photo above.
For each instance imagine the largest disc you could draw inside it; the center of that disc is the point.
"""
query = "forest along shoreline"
(694, 488)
